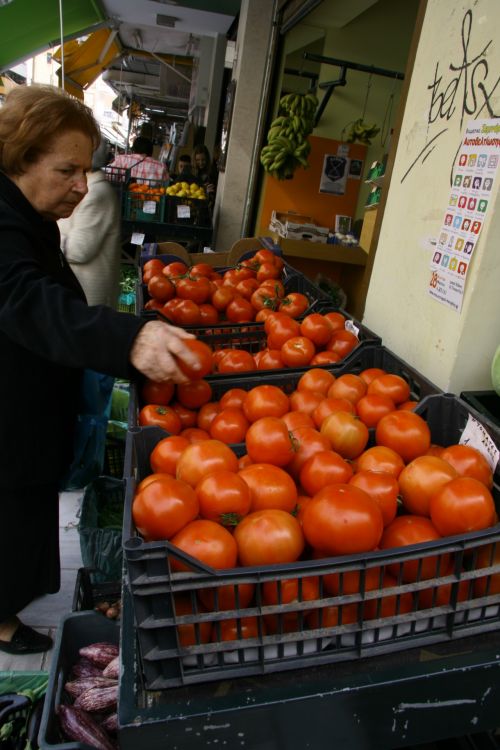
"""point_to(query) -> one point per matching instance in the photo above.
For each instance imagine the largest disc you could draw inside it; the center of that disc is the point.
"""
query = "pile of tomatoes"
(307, 485)
(200, 295)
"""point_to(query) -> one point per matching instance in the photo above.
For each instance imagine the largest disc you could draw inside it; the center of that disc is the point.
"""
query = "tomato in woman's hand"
(224, 497)
(268, 440)
(164, 507)
(405, 432)
(383, 488)
(341, 519)
(462, 505)
(155, 415)
(157, 393)
(270, 487)
(347, 434)
(409, 530)
(203, 359)
(393, 386)
(208, 542)
(420, 480)
(268, 537)
(165, 454)
(468, 462)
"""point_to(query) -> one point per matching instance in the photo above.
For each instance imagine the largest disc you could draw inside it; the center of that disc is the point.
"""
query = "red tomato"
(235, 360)
(203, 359)
(164, 456)
(234, 398)
(209, 316)
(161, 288)
(324, 358)
(222, 297)
(176, 268)
(420, 479)
(207, 414)
(160, 416)
(274, 286)
(444, 594)
(247, 287)
(372, 407)
(408, 405)
(468, 462)
(194, 394)
(164, 507)
(195, 434)
(405, 432)
(201, 269)
(269, 537)
(186, 313)
(157, 393)
(389, 605)
(317, 380)
(265, 401)
(219, 598)
(229, 426)
(336, 320)
(224, 497)
(380, 458)
(393, 386)
(317, 328)
(348, 386)
(208, 542)
(155, 304)
(200, 459)
(305, 401)
(352, 581)
(342, 343)
(264, 298)
(409, 530)
(289, 591)
(270, 487)
(383, 488)
(269, 359)
(464, 504)
(297, 351)
(280, 328)
(151, 268)
(330, 405)
(370, 373)
(187, 416)
(295, 419)
(294, 304)
(487, 556)
(267, 271)
(198, 290)
(240, 310)
(322, 469)
(307, 442)
(268, 440)
(342, 519)
(347, 434)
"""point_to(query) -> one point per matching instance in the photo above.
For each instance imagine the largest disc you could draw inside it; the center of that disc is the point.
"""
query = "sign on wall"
(473, 177)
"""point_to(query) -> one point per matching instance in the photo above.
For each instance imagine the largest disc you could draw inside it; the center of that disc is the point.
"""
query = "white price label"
(137, 238)
(349, 326)
(476, 436)
(149, 207)
(183, 212)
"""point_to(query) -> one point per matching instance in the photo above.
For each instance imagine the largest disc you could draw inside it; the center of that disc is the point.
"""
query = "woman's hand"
(155, 348)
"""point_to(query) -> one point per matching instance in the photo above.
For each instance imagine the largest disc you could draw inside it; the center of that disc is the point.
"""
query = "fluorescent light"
(169, 21)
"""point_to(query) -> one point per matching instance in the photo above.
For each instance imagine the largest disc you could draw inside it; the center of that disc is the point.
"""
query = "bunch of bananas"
(287, 143)
(361, 132)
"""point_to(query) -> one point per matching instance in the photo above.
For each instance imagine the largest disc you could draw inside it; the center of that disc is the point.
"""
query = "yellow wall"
(454, 350)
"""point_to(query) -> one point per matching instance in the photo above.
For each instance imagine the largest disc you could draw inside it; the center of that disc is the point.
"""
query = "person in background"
(91, 236)
(184, 172)
(48, 336)
(141, 162)
(205, 170)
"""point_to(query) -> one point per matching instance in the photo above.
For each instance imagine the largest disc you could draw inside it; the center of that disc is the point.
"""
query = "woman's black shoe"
(26, 641)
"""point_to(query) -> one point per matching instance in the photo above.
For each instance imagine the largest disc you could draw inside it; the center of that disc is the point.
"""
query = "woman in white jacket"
(91, 236)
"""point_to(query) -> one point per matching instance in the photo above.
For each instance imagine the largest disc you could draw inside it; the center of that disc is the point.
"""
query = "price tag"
(149, 207)
(183, 211)
(137, 238)
(477, 437)
(349, 326)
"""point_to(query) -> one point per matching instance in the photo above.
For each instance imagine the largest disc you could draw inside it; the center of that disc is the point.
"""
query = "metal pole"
(62, 42)
(352, 66)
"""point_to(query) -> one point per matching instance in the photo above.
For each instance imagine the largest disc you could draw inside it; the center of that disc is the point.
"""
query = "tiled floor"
(45, 613)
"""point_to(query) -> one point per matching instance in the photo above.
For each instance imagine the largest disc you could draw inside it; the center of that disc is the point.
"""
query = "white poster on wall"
(473, 178)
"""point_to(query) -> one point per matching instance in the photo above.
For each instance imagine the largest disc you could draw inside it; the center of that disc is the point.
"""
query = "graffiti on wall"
(458, 91)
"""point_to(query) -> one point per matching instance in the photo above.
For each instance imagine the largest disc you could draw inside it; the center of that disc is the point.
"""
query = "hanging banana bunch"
(361, 132)
(287, 141)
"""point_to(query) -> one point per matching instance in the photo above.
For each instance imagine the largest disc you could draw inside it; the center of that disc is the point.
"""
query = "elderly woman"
(48, 335)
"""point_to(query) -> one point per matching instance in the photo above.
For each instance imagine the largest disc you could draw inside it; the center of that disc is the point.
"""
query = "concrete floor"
(45, 613)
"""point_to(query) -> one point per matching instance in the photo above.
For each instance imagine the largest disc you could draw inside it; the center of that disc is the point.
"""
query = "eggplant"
(79, 726)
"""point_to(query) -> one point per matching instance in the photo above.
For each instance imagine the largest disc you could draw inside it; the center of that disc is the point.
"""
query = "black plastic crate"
(114, 456)
(89, 593)
(100, 528)
(75, 631)
(362, 630)
(187, 211)
(367, 354)
(21, 701)
(486, 403)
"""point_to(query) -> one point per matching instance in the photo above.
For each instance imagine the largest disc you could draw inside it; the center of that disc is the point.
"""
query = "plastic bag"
(100, 528)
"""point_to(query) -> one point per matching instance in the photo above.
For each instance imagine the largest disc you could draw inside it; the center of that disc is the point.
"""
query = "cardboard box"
(290, 225)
